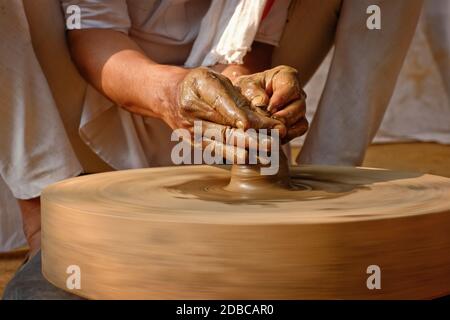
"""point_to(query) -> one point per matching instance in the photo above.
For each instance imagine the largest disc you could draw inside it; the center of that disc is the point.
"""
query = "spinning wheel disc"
(179, 233)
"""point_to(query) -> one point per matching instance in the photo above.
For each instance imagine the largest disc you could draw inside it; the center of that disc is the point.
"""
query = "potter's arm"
(115, 65)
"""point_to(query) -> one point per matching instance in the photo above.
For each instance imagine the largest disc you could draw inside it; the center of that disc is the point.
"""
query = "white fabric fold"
(122, 139)
(226, 32)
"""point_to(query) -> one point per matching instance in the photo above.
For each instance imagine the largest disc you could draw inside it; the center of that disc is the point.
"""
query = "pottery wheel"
(183, 233)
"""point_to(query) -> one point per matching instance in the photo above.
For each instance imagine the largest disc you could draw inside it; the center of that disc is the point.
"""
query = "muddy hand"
(211, 97)
(276, 93)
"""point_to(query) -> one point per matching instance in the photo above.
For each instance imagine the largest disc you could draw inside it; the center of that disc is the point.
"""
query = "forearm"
(116, 66)
(257, 60)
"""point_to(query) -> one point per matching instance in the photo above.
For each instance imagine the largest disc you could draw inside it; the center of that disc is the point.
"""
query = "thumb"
(255, 94)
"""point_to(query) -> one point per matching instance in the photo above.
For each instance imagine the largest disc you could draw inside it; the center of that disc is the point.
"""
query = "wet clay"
(248, 180)
(191, 232)
(210, 96)
(246, 184)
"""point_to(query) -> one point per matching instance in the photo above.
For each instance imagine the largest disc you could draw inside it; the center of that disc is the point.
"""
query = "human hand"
(211, 97)
(276, 93)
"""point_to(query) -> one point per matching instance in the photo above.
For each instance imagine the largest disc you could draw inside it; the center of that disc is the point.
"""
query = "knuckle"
(289, 69)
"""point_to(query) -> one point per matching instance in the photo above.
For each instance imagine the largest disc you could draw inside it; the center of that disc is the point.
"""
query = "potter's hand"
(173, 94)
(211, 97)
(277, 93)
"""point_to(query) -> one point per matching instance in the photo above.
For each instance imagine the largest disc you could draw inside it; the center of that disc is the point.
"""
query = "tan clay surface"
(182, 233)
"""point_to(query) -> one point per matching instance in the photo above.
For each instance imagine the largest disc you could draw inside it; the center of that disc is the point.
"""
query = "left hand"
(277, 93)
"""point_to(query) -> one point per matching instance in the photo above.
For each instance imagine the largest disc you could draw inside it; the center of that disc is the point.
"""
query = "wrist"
(171, 85)
(165, 88)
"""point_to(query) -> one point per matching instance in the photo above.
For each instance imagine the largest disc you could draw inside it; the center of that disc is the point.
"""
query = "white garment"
(29, 114)
(29, 126)
(362, 77)
(420, 107)
(171, 24)
(226, 32)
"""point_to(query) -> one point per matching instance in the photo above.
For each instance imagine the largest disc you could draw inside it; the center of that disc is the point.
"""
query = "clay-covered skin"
(247, 179)
(211, 97)
(270, 99)
(276, 93)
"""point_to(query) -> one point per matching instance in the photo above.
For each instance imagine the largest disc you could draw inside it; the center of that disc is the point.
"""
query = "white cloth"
(226, 32)
(171, 24)
(420, 107)
(30, 122)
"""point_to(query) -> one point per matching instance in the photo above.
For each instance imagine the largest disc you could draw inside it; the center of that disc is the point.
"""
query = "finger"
(232, 154)
(219, 150)
(218, 92)
(292, 113)
(296, 130)
(286, 88)
(255, 93)
(215, 146)
(249, 139)
(258, 121)
(200, 110)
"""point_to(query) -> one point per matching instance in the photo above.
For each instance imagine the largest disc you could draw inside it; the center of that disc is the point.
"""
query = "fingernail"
(240, 124)
(271, 109)
(281, 119)
(258, 101)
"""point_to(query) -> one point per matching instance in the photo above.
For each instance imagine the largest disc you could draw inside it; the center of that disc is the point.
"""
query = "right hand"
(277, 92)
(211, 97)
